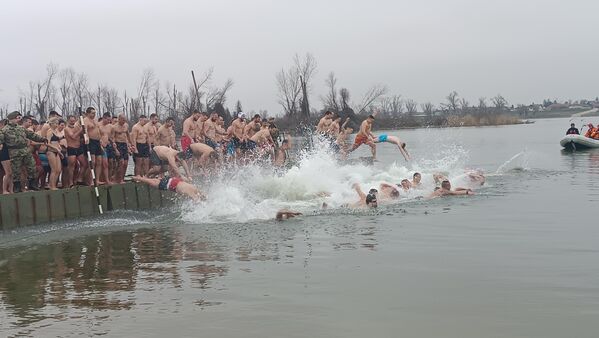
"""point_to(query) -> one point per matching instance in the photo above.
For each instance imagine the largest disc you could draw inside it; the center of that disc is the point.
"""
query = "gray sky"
(526, 50)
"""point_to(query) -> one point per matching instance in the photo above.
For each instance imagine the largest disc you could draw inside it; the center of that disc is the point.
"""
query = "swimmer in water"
(416, 178)
(366, 201)
(406, 185)
(286, 214)
(388, 191)
(395, 140)
(174, 184)
(445, 190)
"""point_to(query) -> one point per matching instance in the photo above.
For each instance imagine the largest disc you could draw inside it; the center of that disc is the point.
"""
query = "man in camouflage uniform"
(15, 138)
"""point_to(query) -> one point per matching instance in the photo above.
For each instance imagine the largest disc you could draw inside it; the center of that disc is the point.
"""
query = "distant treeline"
(65, 90)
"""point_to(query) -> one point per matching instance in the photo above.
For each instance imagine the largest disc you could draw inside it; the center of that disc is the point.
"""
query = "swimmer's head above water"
(371, 200)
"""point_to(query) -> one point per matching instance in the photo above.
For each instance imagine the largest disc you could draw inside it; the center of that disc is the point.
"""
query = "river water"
(518, 259)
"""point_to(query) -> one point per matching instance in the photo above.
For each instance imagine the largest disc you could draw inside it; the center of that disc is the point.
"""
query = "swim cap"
(241, 115)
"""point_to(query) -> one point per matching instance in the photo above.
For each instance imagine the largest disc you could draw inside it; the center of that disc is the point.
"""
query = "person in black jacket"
(573, 130)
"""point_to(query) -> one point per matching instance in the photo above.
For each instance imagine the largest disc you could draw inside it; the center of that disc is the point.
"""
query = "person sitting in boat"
(573, 130)
(591, 131)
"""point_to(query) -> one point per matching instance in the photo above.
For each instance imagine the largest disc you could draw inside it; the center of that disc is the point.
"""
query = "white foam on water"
(256, 193)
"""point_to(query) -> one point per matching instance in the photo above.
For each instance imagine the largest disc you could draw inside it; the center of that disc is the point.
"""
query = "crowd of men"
(63, 151)
(89, 149)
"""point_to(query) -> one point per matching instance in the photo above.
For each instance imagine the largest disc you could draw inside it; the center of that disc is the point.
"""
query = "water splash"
(256, 193)
(518, 162)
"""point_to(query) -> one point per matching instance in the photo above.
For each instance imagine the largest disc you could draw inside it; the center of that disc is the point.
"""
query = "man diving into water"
(174, 184)
(395, 140)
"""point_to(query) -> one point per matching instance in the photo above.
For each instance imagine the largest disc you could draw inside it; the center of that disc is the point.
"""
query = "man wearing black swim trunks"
(75, 152)
(121, 138)
(141, 152)
(93, 139)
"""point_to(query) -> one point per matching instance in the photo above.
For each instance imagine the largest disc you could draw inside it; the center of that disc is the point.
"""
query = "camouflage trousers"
(20, 158)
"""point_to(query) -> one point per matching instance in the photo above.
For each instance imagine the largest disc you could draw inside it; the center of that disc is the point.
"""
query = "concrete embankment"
(28, 208)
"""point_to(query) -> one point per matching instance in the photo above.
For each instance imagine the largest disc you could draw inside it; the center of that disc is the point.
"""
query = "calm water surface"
(519, 259)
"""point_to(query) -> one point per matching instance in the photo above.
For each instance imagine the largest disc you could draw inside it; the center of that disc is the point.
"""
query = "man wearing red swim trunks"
(365, 136)
(189, 130)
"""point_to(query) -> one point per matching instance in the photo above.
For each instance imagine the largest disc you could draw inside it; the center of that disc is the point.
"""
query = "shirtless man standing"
(110, 150)
(151, 129)
(93, 140)
(210, 130)
(164, 158)
(199, 133)
(189, 130)
(75, 151)
(123, 145)
(237, 131)
(164, 137)
(262, 139)
(325, 122)
(365, 136)
(250, 129)
(141, 150)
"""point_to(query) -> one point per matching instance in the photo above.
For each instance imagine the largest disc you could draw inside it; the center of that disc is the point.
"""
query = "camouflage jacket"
(15, 136)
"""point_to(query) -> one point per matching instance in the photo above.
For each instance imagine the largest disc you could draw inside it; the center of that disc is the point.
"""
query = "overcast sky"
(526, 50)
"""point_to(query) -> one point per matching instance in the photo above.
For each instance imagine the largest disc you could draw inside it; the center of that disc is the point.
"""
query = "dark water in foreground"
(520, 259)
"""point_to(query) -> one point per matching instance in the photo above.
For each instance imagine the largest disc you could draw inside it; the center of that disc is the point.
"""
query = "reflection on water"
(123, 270)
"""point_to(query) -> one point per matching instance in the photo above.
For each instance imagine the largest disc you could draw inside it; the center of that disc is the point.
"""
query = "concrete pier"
(28, 208)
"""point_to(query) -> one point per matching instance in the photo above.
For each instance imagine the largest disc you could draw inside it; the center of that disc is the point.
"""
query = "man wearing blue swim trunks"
(395, 140)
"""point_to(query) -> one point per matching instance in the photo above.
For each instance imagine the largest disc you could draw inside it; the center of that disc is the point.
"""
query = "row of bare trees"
(394, 106)
(65, 90)
(294, 85)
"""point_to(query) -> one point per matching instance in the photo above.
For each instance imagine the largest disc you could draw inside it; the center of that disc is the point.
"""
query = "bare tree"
(452, 104)
(66, 80)
(428, 109)
(218, 95)
(499, 102)
(344, 97)
(293, 86)
(289, 89)
(371, 95)
(110, 99)
(306, 68)
(482, 105)
(80, 90)
(411, 107)
(330, 100)
(392, 105)
(44, 90)
(146, 86)
(464, 105)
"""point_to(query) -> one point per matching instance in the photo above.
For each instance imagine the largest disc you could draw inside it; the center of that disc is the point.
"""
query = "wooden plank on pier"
(116, 197)
(42, 206)
(72, 206)
(8, 208)
(155, 198)
(25, 208)
(143, 196)
(87, 201)
(57, 205)
(130, 197)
